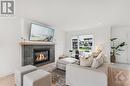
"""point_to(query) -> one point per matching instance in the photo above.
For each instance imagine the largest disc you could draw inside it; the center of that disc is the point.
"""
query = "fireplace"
(38, 55)
(41, 55)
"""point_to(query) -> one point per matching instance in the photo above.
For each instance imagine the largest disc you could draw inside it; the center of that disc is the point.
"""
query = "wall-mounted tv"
(41, 33)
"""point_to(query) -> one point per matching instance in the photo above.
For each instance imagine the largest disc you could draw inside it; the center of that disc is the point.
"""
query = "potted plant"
(115, 49)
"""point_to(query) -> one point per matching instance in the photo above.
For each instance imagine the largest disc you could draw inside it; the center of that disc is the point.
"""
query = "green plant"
(116, 48)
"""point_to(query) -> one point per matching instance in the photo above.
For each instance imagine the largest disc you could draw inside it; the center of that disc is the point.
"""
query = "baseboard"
(5, 75)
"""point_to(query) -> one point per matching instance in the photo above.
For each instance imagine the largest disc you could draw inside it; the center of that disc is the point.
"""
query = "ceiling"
(70, 15)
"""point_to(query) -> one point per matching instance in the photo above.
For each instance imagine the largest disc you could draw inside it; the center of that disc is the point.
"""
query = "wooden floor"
(9, 81)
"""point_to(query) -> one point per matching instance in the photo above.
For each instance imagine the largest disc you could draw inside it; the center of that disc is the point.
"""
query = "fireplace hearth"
(41, 55)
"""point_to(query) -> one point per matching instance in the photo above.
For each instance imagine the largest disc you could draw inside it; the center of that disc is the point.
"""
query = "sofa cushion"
(97, 62)
(61, 63)
(86, 61)
(67, 60)
(105, 60)
(95, 54)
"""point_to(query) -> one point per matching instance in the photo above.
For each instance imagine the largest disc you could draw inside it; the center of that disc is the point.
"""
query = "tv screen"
(41, 33)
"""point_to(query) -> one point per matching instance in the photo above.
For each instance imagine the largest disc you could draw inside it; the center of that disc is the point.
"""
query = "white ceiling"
(71, 15)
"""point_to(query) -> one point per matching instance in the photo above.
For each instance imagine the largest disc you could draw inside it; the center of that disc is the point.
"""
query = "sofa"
(77, 75)
(61, 63)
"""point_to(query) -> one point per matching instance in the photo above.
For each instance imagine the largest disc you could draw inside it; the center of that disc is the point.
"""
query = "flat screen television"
(41, 33)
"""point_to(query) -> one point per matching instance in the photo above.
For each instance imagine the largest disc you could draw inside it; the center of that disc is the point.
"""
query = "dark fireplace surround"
(37, 54)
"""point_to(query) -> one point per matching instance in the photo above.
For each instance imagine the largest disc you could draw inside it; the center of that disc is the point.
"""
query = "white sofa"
(77, 75)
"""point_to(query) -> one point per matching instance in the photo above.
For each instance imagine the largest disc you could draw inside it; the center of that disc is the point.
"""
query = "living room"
(98, 21)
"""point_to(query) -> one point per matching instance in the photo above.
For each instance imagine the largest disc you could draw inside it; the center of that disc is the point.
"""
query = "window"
(86, 43)
(83, 43)
(74, 43)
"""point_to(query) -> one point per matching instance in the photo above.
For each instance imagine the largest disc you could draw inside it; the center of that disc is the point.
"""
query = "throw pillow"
(97, 62)
(95, 54)
(105, 60)
(86, 61)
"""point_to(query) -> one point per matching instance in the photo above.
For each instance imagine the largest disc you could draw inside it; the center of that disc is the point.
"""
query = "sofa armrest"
(77, 75)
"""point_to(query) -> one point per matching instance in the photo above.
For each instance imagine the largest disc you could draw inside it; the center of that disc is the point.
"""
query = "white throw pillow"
(95, 54)
(87, 62)
(97, 62)
(105, 60)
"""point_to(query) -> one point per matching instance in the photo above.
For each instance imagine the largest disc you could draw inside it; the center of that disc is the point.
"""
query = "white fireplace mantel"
(22, 43)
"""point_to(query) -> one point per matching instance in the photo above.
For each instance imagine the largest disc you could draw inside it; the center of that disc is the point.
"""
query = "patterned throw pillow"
(97, 62)
(87, 62)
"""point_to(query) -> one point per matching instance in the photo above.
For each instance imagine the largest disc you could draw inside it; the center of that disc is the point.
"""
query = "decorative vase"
(113, 58)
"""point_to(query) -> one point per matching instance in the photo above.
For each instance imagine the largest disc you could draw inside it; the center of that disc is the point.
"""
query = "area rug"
(58, 77)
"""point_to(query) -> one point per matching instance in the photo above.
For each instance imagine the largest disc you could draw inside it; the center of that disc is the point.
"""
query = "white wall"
(123, 35)
(101, 38)
(60, 43)
(9, 45)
